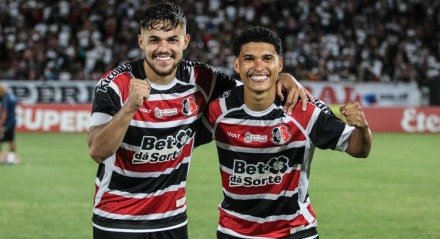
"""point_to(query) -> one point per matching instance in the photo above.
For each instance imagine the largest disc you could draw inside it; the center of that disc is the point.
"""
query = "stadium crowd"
(329, 40)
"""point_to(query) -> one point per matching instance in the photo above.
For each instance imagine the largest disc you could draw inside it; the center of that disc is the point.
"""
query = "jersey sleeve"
(223, 83)
(106, 103)
(327, 130)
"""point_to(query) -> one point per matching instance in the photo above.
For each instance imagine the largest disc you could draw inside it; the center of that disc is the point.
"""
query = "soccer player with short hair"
(265, 154)
(142, 131)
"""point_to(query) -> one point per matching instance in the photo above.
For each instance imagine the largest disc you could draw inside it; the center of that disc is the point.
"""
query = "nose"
(258, 64)
(163, 45)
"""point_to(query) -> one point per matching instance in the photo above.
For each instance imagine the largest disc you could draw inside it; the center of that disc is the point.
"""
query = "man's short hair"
(256, 34)
(162, 16)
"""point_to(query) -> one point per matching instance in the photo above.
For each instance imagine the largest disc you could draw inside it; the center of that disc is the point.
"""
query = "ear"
(281, 64)
(237, 65)
(141, 41)
(186, 40)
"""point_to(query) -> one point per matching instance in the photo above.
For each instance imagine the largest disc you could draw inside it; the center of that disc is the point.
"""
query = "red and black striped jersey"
(265, 159)
(141, 188)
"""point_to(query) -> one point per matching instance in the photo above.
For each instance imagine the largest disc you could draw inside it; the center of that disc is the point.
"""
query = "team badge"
(281, 134)
(189, 106)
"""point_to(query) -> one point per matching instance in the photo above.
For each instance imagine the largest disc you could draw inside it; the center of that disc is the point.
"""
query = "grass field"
(393, 194)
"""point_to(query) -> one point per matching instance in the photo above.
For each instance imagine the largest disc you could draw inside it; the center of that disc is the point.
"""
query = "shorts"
(177, 233)
(8, 136)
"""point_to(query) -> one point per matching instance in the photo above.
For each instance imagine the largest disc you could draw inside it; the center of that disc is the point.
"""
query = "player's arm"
(104, 140)
(288, 85)
(359, 144)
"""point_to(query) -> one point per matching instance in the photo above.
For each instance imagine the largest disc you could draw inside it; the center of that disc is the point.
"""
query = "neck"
(157, 79)
(259, 101)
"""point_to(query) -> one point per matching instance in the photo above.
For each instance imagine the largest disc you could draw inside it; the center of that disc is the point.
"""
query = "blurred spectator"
(330, 40)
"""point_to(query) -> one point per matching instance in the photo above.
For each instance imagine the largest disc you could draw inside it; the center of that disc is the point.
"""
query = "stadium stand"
(331, 40)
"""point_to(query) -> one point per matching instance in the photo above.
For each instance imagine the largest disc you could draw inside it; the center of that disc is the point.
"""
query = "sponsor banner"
(404, 119)
(367, 94)
(75, 118)
(53, 118)
(53, 92)
(401, 119)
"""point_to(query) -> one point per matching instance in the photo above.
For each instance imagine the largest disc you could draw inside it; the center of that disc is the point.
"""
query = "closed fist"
(354, 115)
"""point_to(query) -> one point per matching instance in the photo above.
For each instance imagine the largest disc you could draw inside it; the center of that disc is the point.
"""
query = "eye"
(173, 40)
(268, 58)
(248, 58)
(153, 40)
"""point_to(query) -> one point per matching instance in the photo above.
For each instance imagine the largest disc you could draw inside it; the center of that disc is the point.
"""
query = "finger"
(309, 95)
(342, 109)
(289, 100)
(280, 91)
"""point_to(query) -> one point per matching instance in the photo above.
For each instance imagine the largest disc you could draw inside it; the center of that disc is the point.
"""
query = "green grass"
(393, 194)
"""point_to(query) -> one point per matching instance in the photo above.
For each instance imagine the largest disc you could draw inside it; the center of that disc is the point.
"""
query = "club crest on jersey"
(189, 106)
(249, 138)
(259, 174)
(160, 113)
(154, 150)
(281, 134)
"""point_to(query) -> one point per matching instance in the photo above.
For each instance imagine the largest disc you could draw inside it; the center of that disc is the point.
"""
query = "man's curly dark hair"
(168, 14)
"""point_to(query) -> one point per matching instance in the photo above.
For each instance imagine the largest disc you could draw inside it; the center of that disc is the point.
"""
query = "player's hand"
(294, 90)
(354, 115)
(138, 92)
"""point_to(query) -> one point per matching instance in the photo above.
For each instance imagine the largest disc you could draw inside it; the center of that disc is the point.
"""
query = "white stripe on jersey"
(165, 124)
(313, 119)
(130, 174)
(140, 230)
(99, 118)
(103, 185)
(295, 144)
(117, 91)
(249, 122)
(267, 196)
(154, 216)
(343, 140)
(172, 188)
(229, 171)
(260, 219)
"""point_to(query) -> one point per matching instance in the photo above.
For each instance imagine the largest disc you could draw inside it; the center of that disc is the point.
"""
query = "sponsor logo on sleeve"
(105, 82)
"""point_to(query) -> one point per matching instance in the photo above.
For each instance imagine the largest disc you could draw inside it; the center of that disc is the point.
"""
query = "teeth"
(258, 78)
(163, 58)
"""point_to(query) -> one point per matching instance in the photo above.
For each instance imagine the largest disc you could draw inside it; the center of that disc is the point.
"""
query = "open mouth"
(259, 77)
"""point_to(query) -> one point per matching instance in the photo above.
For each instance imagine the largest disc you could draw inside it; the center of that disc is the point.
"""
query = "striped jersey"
(265, 159)
(141, 188)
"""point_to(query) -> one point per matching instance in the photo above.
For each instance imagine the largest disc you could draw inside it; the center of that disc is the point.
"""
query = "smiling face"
(163, 49)
(258, 65)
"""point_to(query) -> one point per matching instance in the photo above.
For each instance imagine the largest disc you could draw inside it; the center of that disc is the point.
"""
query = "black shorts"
(177, 233)
(8, 136)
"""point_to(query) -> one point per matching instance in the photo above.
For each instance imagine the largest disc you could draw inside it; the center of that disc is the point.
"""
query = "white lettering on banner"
(368, 94)
(413, 121)
(32, 119)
